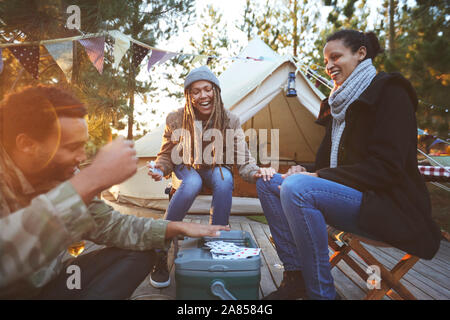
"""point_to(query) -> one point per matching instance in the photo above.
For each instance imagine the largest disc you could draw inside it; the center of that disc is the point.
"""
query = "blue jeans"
(297, 216)
(192, 182)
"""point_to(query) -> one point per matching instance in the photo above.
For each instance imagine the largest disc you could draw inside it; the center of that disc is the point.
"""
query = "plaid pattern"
(431, 173)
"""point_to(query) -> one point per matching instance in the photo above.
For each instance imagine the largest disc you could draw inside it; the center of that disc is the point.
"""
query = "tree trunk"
(132, 88)
(295, 35)
(392, 7)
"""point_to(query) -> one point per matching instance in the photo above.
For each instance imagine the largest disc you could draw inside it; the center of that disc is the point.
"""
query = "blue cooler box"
(199, 277)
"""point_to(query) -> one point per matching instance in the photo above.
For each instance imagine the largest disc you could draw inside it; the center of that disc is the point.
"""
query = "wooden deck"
(428, 280)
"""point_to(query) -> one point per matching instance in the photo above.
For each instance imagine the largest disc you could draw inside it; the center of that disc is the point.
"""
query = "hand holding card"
(154, 171)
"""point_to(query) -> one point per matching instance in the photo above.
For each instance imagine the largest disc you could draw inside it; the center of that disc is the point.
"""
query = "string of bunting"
(27, 53)
(319, 80)
(433, 106)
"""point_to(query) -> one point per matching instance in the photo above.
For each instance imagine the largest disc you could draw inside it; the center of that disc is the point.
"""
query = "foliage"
(422, 51)
(110, 96)
(287, 26)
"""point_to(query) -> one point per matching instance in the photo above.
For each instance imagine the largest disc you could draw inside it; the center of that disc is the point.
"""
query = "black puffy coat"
(378, 156)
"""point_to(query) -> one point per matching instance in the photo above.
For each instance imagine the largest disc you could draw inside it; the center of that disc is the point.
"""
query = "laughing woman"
(365, 180)
(203, 110)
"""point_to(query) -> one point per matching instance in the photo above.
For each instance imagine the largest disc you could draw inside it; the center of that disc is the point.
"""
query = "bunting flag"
(139, 53)
(95, 49)
(159, 57)
(121, 45)
(168, 56)
(1, 61)
(62, 53)
(28, 56)
(155, 58)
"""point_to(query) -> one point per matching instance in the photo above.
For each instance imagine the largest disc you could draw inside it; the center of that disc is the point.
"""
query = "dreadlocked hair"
(218, 118)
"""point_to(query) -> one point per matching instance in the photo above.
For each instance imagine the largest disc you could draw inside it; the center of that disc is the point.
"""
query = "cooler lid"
(194, 256)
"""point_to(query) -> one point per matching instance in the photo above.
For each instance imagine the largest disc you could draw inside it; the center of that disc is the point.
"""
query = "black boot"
(292, 287)
(160, 277)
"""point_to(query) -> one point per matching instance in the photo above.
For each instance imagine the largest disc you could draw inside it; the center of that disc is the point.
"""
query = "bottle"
(75, 249)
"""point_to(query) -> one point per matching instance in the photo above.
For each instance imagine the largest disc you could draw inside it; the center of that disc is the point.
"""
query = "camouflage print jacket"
(34, 238)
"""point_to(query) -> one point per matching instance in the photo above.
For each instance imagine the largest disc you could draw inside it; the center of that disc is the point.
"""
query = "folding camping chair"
(342, 243)
(387, 282)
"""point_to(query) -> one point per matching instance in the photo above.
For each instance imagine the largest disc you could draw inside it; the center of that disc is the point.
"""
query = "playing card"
(221, 250)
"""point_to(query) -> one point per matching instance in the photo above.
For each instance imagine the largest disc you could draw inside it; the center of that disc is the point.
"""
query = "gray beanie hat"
(201, 73)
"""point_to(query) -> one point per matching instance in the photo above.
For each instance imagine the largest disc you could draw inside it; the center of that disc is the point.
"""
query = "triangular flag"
(139, 53)
(121, 45)
(168, 56)
(95, 49)
(62, 52)
(200, 59)
(155, 57)
(1, 61)
(28, 56)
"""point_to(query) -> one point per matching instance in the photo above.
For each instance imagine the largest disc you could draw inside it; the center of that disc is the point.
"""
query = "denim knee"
(269, 186)
(296, 187)
(192, 184)
(261, 185)
(222, 184)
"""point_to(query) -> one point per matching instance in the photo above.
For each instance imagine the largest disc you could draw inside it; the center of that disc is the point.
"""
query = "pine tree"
(110, 96)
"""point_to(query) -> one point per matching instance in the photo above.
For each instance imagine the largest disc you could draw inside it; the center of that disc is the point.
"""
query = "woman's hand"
(294, 170)
(265, 173)
(154, 175)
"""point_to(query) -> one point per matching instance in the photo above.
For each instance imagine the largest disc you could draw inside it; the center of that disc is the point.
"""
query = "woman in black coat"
(365, 179)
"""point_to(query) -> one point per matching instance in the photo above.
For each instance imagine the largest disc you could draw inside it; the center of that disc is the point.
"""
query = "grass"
(261, 219)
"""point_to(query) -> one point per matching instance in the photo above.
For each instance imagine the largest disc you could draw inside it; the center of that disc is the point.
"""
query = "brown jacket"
(242, 158)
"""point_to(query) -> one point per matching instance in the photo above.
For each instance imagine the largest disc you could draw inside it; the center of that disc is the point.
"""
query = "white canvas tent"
(255, 91)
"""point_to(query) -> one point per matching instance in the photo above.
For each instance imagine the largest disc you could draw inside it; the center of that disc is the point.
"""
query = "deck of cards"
(221, 250)
(153, 169)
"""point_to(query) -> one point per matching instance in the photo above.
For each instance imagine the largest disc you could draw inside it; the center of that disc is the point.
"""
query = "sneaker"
(160, 277)
(292, 287)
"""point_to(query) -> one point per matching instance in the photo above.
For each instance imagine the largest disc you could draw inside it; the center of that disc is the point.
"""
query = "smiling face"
(202, 96)
(340, 61)
(61, 159)
(71, 152)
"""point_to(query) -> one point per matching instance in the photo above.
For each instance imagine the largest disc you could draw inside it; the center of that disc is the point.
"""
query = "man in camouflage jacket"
(45, 206)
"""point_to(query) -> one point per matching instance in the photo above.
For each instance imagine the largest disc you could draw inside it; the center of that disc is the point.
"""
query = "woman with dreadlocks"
(201, 164)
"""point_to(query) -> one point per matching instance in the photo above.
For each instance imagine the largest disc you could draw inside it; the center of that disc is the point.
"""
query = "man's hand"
(293, 170)
(113, 164)
(265, 173)
(194, 230)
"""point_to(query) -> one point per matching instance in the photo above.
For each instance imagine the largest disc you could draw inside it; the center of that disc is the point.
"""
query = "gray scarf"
(341, 98)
